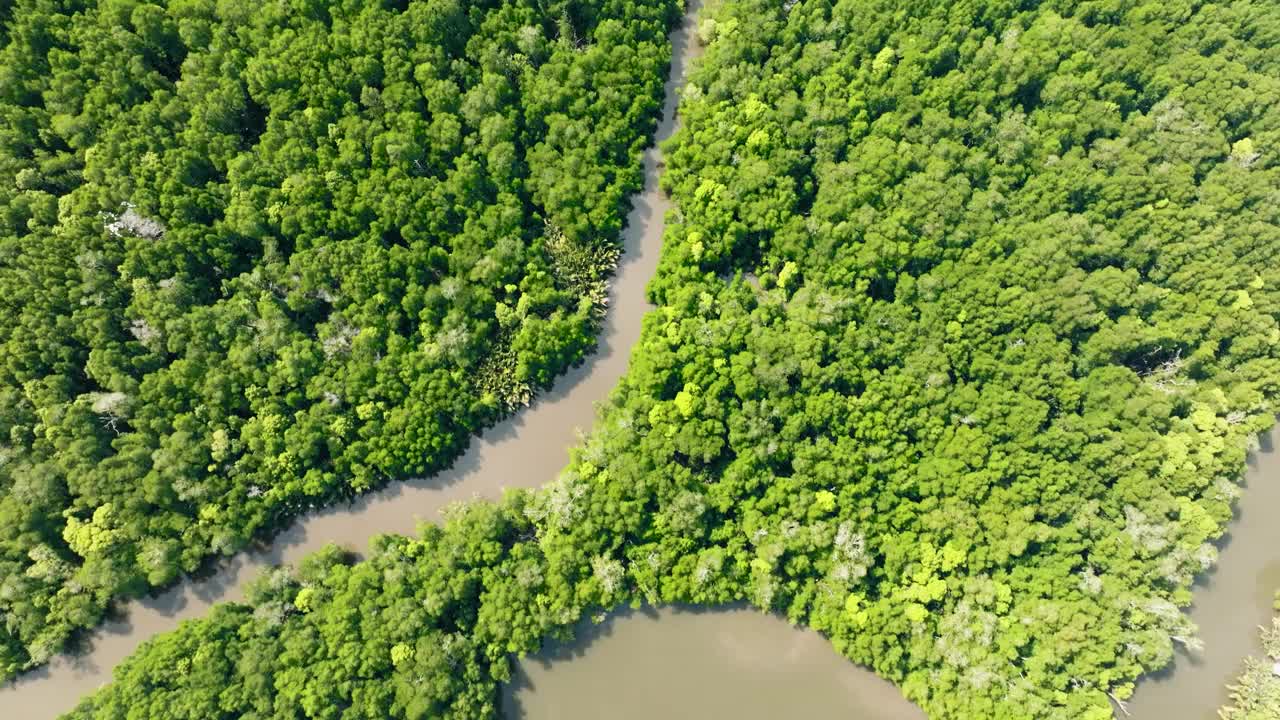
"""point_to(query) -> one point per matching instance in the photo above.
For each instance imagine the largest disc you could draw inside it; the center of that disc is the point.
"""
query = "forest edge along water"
(529, 449)
(526, 450)
(740, 663)
(1230, 602)
(694, 663)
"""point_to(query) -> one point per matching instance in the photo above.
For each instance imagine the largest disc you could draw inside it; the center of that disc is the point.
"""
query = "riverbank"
(526, 450)
(1256, 693)
(1230, 602)
(689, 662)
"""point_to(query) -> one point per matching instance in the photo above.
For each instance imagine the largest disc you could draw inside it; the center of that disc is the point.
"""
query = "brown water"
(525, 451)
(670, 664)
(676, 664)
(744, 665)
(1230, 603)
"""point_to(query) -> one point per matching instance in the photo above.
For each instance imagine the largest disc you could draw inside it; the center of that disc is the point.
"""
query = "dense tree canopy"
(1015, 326)
(259, 256)
(966, 320)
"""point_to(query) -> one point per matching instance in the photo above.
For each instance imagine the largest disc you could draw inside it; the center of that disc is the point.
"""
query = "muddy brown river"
(677, 663)
(526, 450)
(668, 663)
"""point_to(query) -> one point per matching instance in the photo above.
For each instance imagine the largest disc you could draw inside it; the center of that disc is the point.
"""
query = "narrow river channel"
(526, 450)
(669, 663)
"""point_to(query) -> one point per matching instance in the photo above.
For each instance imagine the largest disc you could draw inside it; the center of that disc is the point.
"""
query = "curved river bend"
(670, 663)
(745, 665)
(526, 450)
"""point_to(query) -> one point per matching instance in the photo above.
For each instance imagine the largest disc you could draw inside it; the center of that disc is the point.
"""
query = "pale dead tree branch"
(134, 224)
(1124, 706)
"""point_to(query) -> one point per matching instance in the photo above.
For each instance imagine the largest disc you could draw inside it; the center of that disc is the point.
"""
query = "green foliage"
(966, 322)
(258, 257)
